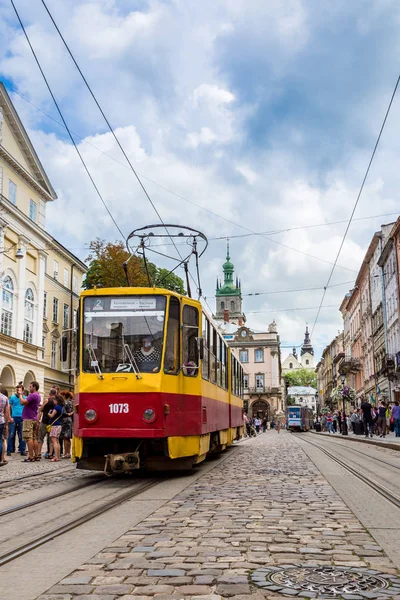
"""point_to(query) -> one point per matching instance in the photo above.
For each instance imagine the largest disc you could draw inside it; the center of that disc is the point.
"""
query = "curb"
(363, 441)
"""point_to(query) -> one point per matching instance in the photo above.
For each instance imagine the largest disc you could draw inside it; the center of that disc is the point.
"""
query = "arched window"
(28, 315)
(7, 298)
(222, 305)
(232, 305)
(307, 362)
(290, 365)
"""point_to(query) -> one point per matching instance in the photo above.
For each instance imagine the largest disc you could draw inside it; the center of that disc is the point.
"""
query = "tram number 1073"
(119, 408)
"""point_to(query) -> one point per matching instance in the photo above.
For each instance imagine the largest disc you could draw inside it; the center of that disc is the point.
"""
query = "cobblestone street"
(266, 505)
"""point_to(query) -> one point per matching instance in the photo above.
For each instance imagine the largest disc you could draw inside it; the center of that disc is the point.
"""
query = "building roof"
(26, 145)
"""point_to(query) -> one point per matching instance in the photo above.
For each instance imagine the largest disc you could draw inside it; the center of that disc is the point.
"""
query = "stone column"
(40, 289)
(275, 369)
(21, 284)
(2, 248)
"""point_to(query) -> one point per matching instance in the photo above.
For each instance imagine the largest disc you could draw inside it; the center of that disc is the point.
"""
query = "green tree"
(301, 377)
(290, 401)
(106, 259)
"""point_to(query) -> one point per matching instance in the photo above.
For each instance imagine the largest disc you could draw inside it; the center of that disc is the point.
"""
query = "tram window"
(233, 374)
(189, 341)
(206, 338)
(218, 356)
(225, 366)
(172, 351)
(213, 352)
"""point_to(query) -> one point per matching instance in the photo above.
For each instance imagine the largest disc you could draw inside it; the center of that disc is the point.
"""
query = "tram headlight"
(149, 415)
(90, 415)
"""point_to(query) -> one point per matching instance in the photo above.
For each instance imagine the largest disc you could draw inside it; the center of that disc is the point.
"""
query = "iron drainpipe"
(384, 314)
(71, 325)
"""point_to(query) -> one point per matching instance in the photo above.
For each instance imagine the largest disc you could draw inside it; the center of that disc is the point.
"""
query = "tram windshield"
(123, 333)
(294, 412)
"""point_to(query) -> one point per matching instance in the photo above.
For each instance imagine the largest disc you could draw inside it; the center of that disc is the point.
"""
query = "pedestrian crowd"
(25, 416)
(367, 419)
(255, 425)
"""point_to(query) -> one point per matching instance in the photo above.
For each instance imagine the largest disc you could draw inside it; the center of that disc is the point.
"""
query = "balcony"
(258, 390)
(388, 363)
(339, 356)
(350, 365)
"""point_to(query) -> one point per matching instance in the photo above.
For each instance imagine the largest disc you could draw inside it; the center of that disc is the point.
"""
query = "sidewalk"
(390, 441)
(263, 507)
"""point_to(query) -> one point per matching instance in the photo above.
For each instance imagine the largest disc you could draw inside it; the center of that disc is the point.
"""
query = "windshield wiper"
(132, 361)
(94, 361)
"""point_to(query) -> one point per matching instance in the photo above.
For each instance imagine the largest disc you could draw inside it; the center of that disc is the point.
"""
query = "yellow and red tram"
(157, 386)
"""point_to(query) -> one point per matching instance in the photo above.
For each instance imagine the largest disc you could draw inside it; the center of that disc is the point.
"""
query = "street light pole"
(344, 425)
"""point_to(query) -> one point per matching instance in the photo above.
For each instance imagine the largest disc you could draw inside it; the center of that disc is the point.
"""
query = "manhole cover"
(327, 582)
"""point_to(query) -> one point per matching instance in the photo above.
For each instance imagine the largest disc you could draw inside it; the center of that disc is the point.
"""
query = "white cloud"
(201, 96)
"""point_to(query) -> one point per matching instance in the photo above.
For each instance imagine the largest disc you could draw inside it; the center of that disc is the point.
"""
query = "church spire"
(307, 345)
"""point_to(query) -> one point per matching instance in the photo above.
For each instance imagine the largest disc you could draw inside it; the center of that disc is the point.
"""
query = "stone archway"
(7, 379)
(260, 409)
(29, 377)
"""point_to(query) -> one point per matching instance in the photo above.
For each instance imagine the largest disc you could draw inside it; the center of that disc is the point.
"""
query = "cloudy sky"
(242, 117)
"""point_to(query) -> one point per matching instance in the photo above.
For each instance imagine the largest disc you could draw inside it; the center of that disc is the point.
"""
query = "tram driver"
(148, 356)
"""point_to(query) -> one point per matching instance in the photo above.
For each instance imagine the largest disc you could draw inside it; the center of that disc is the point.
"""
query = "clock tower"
(229, 295)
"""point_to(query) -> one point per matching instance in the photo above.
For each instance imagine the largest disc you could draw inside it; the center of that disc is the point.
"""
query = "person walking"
(257, 423)
(30, 419)
(329, 423)
(15, 423)
(56, 423)
(396, 418)
(43, 433)
(366, 408)
(354, 420)
(381, 420)
(4, 419)
(66, 425)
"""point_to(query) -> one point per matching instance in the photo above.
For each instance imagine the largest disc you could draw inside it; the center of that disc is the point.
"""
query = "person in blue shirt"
(15, 423)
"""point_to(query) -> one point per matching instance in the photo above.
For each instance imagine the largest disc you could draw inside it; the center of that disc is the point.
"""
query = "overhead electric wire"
(64, 122)
(250, 234)
(197, 284)
(309, 289)
(357, 200)
(14, 90)
(273, 310)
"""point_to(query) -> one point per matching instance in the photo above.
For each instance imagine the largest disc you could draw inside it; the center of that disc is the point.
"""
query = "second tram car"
(299, 418)
(156, 387)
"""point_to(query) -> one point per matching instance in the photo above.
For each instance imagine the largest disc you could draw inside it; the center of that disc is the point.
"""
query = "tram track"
(56, 532)
(49, 497)
(383, 491)
(5, 483)
(380, 460)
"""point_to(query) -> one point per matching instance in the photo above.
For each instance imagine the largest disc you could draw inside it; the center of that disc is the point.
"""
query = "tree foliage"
(106, 269)
(301, 377)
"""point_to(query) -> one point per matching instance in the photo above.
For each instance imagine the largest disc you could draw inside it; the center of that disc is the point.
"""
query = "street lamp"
(344, 426)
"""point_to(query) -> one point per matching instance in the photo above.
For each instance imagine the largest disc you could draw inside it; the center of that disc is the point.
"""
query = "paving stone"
(114, 589)
(111, 580)
(71, 589)
(55, 597)
(77, 580)
(166, 572)
(94, 597)
(151, 590)
(226, 589)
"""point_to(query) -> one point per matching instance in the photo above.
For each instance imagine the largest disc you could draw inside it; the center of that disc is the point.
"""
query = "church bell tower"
(229, 295)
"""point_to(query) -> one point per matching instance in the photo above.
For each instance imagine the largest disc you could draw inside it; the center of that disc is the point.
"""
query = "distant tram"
(299, 418)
